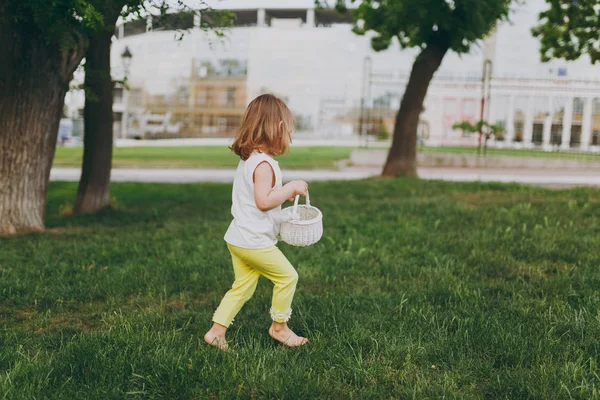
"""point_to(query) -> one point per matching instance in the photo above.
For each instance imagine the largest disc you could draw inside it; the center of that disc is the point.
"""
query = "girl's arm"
(265, 197)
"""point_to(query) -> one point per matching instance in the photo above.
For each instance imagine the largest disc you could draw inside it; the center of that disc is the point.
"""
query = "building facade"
(332, 80)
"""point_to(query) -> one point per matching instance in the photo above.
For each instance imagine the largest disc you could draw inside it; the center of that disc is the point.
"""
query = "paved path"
(547, 178)
(544, 178)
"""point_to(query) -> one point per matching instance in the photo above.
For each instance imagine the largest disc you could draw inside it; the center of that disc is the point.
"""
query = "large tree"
(434, 27)
(93, 189)
(93, 192)
(569, 29)
(42, 43)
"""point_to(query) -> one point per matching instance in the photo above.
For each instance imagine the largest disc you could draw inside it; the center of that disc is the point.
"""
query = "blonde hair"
(267, 126)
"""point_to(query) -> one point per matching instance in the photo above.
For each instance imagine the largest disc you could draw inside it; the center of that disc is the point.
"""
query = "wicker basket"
(302, 225)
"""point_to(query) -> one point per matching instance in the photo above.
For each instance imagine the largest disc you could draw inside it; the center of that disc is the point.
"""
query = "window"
(519, 116)
(500, 107)
(556, 134)
(596, 138)
(576, 122)
(202, 96)
(537, 133)
(230, 96)
(221, 95)
(596, 116)
(575, 136)
(558, 107)
(596, 107)
(197, 120)
(519, 130)
(222, 123)
(541, 111)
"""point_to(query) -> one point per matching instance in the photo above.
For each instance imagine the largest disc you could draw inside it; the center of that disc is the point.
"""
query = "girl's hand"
(300, 188)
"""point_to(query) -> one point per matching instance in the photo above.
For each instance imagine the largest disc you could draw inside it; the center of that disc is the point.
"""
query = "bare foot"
(283, 334)
(216, 337)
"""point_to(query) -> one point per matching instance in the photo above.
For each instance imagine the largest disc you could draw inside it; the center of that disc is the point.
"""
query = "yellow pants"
(248, 265)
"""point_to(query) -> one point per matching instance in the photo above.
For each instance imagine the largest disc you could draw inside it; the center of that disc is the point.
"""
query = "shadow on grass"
(136, 204)
(143, 204)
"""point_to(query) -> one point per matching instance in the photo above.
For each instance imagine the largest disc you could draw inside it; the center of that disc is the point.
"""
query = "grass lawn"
(298, 158)
(202, 157)
(418, 290)
(514, 152)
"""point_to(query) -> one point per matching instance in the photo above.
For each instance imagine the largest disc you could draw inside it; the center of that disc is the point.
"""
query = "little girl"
(251, 238)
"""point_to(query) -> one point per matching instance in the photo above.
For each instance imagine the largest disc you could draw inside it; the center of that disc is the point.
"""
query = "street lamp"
(365, 100)
(486, 83)
(126, 57)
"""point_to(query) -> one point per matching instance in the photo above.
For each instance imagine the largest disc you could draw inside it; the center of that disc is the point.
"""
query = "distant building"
(311, 58)
(217, 98)
(210, 102)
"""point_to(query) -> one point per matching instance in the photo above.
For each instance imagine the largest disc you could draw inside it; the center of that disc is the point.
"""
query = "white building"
(313, 60)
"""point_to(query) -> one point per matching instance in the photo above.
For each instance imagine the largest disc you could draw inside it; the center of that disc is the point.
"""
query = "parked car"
(65, 134)
(65, 130)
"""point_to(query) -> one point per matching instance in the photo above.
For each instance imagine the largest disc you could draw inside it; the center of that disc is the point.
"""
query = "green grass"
(202, 157)
(418, 290)
(298, 158)
(515, 152)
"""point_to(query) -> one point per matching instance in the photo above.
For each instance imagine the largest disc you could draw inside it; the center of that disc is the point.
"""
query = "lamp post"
(126, 57)
(486, 81)
(365, 101)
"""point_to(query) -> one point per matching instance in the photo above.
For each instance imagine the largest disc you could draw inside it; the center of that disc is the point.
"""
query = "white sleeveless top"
(252, 228)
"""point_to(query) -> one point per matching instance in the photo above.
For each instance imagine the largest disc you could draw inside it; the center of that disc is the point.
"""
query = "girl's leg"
(241, 291)
(271, 263)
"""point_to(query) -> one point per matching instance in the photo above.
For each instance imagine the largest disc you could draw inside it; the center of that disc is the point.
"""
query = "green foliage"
(450, 24)
(496, 129)
(384, 132)
(569, 29)
(162, 12)
(64, 22)
(418, 290)
(480, 126)
(60, 22)
(165, 13)
(465, 126)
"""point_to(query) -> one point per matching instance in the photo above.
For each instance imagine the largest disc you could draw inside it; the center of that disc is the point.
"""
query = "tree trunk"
(402, 158)
(93, 192)
(94, 186)
(34, 77)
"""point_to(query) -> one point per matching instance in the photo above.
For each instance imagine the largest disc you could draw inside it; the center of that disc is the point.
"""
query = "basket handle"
(296, 202)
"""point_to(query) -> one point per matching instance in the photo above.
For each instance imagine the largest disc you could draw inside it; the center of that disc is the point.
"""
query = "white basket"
(302, 225)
